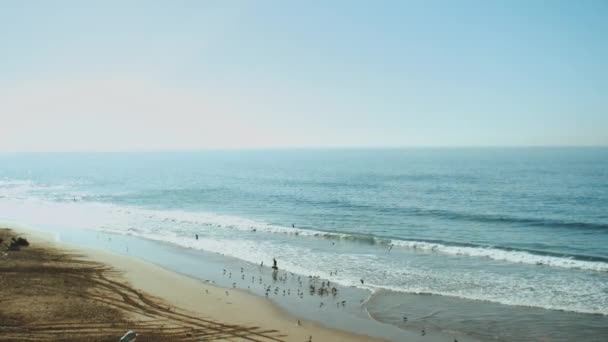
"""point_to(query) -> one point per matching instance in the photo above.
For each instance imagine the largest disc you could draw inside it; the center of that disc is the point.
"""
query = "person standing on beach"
(274, 264)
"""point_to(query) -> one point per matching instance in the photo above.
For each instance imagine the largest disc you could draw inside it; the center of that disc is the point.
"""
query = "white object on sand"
(130, 336)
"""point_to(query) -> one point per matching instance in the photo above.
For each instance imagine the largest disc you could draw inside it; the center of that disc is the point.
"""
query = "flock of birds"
(323, 289)
(314, 284)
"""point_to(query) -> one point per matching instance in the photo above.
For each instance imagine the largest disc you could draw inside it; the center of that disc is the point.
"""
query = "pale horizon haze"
(173, 75)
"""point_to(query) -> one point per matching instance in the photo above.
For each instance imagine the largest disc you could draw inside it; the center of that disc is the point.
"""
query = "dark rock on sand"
(17, 243)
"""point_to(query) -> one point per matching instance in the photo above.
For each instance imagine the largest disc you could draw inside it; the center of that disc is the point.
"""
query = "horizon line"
(286, 148)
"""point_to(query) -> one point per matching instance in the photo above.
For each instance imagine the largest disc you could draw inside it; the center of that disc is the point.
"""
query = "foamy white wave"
(26, 189)
(243, 224)
(306, 262)
(257, 251)
(110, 215)
(232, 236)
(29, 190)
(503, 255)
(16, 188)
(225, 222)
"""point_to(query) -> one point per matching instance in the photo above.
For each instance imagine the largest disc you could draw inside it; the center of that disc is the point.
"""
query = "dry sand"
(116, 293)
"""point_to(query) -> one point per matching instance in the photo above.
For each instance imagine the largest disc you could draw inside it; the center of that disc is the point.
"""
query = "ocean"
(442, 235)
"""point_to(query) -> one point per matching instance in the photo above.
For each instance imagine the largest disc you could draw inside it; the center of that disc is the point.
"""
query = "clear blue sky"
(121, 75)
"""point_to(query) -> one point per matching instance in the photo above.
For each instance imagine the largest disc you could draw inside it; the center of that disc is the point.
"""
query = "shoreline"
(199, 297)
(196, 272)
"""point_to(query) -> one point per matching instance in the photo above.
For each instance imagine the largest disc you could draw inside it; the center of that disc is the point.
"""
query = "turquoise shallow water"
(517, 227)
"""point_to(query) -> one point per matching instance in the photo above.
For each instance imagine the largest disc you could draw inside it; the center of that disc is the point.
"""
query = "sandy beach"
(304, 171)
(122, 293)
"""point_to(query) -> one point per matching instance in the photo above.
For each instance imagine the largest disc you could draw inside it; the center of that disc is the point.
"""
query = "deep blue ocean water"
(515, 226)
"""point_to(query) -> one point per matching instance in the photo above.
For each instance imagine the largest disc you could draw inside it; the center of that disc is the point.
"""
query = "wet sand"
(346, 311)
(57, 293)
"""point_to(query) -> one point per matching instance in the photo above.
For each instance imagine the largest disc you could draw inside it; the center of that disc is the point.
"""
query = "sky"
(165, 75)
